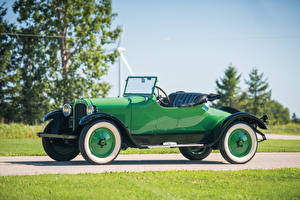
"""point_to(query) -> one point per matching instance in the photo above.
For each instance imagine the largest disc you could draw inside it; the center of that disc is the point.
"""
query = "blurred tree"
(242, 101)
(32, 98)
(76, 59)
(23, 76)
(258, 92)
(277, 113)
(8, 75)
(228, 88)
(295, 119)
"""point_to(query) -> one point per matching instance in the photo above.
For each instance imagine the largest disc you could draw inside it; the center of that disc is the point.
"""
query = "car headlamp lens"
(89, 109)
(67, 110)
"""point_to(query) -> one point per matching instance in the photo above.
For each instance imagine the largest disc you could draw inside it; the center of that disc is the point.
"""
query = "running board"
(71, 137)
(170, 145)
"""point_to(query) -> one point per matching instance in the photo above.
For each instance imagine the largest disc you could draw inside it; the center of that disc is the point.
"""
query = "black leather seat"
(181, 99)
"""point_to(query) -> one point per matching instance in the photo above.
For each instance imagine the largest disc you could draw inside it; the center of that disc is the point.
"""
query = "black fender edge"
(246, 117)
(228, 109)
(59, 123)
(124, 130)
(53, 115)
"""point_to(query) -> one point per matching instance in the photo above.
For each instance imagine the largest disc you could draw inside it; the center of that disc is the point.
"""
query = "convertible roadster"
(144, 118)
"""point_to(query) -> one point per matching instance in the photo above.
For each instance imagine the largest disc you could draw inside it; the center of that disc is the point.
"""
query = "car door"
(151, 123)
(148, 117)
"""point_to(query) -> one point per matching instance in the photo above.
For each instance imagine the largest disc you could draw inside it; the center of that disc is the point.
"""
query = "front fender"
(59, 123)
(53, 115)
(124, 130)
(88, 118)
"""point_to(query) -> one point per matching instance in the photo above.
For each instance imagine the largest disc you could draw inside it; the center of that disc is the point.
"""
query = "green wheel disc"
(239, 142)
(102, 142)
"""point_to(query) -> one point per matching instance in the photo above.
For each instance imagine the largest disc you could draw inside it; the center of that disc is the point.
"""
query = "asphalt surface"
(281, 137)
(30, 165)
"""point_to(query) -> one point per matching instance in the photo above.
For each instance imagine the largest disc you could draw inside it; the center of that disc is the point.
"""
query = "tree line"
(54, 53)
(256, 99)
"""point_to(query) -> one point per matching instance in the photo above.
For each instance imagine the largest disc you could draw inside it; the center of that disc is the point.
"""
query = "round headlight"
(89, 109)
(67, 110)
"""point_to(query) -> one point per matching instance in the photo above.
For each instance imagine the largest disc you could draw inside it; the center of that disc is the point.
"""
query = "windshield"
(140, 85)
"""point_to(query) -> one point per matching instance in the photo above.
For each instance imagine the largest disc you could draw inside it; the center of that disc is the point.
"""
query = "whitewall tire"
(100, 142)
(238, 144)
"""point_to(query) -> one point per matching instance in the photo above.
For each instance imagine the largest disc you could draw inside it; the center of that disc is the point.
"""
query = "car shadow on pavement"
(116, 162)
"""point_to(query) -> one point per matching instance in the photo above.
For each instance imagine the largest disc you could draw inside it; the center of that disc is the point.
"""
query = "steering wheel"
(161, 100)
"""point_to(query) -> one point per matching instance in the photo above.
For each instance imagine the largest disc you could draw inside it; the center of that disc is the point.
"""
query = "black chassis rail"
(70, 137)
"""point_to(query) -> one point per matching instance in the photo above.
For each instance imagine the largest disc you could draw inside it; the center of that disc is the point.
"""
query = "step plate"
(171, 145)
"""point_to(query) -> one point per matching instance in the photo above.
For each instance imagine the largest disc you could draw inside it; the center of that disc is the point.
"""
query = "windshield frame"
(140, 94)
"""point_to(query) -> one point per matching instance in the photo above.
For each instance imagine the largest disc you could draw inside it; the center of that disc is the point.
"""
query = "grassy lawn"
(245, 184)
(23, 147)
(16, 130)
(288, 129)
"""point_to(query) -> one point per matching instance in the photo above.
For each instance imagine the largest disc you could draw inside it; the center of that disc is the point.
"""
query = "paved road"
(281, 137)
(29, 165)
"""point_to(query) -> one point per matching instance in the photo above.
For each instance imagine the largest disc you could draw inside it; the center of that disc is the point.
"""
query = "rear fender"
(245, 117)
(252, 120)
(123, 129)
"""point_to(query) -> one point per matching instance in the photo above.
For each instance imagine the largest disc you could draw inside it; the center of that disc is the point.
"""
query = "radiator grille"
(80, 111)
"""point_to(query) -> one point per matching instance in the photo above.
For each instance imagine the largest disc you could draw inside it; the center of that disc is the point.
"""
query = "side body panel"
(148, 123)
(154, 124)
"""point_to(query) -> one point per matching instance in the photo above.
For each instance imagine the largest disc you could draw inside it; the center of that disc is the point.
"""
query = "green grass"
(279, 146)
(288, 129)
(245, 184)
(21, 147)
(16, 130)
(33, 147)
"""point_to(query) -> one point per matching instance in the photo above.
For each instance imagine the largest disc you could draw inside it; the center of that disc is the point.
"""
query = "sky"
(189, 43)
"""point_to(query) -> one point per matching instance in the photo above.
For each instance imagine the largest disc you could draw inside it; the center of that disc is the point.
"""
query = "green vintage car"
(143, 118)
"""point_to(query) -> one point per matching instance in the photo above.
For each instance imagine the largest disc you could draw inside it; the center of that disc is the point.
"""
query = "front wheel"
(100, 142)
(57, 148)
(195, 153)
(238, 145)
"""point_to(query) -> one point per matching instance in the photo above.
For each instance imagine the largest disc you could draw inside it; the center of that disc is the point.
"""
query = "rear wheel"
(57, 149)
(239, 143)
(195, 153)
(100, 142)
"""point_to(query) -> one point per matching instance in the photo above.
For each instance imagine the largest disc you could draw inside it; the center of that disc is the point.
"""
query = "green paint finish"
(102, 142)
(142, 115)
(239, 142)
(118, 107)
(148, 117)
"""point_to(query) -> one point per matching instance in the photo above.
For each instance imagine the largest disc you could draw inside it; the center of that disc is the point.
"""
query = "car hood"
(114, 102)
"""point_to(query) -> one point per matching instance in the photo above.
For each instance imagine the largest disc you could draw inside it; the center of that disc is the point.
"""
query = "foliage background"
(55, 53)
